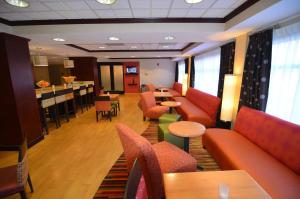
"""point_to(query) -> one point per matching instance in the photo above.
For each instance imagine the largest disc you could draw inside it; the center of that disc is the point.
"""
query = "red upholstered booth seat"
(176, 90)
(267, 147)
(199, 107)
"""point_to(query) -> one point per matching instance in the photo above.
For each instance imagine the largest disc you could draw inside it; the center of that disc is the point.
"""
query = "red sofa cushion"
(177, 87)
(208, 103)
(191, 112)
(233, 151)
(279, 138)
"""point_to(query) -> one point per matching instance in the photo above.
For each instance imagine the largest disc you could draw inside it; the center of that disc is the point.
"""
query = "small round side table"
(171, 105)
(186, 130)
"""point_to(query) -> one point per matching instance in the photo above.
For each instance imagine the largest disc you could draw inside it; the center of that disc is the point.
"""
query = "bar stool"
(90, 94)
(61, 101)
(81, 96)
(48, 107)
(69, 93)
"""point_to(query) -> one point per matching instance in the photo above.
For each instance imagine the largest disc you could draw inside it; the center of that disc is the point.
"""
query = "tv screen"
(131, 70)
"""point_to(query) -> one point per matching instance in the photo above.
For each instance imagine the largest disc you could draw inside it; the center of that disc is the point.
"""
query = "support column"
(19, 115)
(86, 69)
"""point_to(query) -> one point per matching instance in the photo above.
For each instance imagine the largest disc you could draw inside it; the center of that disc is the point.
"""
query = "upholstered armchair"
(149, 107)
(154, 160)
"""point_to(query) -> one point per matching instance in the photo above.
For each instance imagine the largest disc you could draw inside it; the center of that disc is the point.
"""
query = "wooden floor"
(72, 161)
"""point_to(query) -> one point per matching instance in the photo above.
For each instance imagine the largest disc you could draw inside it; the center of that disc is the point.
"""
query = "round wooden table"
(171, 104)
(186, 130)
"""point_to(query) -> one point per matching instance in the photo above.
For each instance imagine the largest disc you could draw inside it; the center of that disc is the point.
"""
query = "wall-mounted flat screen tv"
(131, 70)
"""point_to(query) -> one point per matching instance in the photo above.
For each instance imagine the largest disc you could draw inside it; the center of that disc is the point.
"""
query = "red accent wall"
(131, 82)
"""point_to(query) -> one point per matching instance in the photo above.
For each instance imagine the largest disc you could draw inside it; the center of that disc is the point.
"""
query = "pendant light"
(68, 63)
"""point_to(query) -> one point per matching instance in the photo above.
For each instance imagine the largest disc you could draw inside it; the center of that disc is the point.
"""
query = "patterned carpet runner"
(113, 185)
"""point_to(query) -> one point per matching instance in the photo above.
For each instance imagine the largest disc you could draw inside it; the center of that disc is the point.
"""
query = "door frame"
(112, 80)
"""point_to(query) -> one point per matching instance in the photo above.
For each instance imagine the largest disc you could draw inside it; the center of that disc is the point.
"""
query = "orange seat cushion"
(166, 154)
(174, 93)
(177, 87)
(191, 112)
(233, 151)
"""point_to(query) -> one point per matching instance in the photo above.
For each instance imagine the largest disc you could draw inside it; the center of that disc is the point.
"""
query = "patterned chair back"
(23, 167)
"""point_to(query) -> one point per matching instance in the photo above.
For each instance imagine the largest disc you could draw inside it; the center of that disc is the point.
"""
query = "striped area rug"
(113, 185)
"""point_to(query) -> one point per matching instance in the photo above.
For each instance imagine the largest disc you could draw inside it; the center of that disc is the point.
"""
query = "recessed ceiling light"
(58, 39)
(106, 2)
(102, 47)
(113, 38)
(134, 47)
(106, 56)
(18, 3)
(165, 46)
(132, 56)
(169, 37)
(193, 1)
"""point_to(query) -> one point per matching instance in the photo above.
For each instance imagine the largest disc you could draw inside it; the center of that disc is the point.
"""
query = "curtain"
(284, 89)
(255, 84)
(181, 71)
(226, 64)
(207, 68)
(176, 72)
(192, 74)
(186, 63)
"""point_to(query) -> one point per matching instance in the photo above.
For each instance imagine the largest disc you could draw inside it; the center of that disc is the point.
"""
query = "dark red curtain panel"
(226, 64)
(192, 75)
(176, 72)
(256, 76)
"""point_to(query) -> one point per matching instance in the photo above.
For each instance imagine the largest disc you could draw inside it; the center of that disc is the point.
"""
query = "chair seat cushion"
(193, 113)
(172, 159)
(233, 151)
(156, 111)
(8, 181)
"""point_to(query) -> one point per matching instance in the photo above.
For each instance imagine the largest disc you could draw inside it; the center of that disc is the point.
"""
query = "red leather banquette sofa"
(176, 90)
(199, 107)
(267, 147)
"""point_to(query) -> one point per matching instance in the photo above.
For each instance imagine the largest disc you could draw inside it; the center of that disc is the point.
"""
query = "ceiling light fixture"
(106, 2)
(132, 56)
(193, 1)
(165, 46)
(169, 37)
(18, 3)
(102, 47)
(134, 47)
(113, 38)
(58, 39)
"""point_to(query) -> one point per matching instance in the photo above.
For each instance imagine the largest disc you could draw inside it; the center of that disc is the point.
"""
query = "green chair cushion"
(169, 118)
(164, 135)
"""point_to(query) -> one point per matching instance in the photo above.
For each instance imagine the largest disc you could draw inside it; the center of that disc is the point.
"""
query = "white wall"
(160, 72)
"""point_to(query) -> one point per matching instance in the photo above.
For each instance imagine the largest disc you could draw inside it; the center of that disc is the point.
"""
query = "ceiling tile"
(105, 13)
(178, 12)
(121, 5)
(161, 4)
(219, 13)
(180, 4)
(57, 6)
(159, 13)
(140, 3)
(123, 13)
(204, 4)
(86, 14)
(43, 15)
(195, 12)
(224, 3)
(77, 5)
(95, 5)
(238, 3)
(13, 16)
(68, 14)
(142, 13)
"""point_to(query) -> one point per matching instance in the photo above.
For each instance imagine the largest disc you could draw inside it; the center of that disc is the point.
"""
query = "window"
(181, 71)
(207, 67)
(284, 87)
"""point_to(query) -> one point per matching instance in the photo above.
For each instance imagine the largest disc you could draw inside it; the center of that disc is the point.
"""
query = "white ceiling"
(87, 9)
(149, 35)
